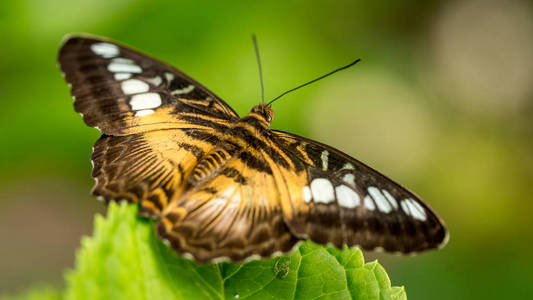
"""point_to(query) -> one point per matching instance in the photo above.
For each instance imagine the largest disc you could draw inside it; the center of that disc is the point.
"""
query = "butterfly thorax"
(255, 125)
(247, 133)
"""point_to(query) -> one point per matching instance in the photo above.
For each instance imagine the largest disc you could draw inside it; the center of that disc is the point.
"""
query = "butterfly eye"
(268, 113)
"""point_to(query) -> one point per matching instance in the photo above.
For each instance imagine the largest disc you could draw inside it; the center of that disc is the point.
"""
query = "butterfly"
(222, 186)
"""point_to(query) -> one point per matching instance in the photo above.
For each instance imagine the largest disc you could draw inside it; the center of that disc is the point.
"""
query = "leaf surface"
(124, 259)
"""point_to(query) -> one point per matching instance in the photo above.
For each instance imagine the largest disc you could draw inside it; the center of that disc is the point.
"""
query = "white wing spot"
(144, 112)
(156, 81)
(381, 202)
(417, 211)
(169, 77)
(322, 190)
(346, 197)
(122, 66)
(134, 86)
(184, 90)
(306, 191)
(122, 76)
(391, 199)
(348, 166)
(369, 204)
(379, 249)
(349, 178)
(324, 158)
(405, 207)
(145, 101)
(105, 50)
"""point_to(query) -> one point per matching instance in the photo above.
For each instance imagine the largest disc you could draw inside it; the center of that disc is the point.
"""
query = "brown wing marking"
(150, 168)
(122, 91)
(227, 218)
(340, 200)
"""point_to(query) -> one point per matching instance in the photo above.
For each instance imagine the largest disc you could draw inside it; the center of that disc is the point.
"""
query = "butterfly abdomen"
(209, 166)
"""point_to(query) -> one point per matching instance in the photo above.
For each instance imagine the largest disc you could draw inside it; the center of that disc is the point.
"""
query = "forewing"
(337, 199)
(121, 91)
(147, 168)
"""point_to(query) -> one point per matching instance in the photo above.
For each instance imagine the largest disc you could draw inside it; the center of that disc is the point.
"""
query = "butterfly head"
(265, 112)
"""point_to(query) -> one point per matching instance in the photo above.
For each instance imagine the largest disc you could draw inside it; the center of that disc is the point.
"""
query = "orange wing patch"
(235, 214)
(149, 168)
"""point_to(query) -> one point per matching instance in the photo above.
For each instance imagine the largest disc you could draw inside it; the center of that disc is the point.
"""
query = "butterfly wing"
(337, 199)
(157, 122)
(121, 91)
(283, 188)
(148, 168)
(232, 211)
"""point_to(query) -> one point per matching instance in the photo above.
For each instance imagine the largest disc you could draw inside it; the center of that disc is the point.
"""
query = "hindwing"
(148, 168)
(233, 213)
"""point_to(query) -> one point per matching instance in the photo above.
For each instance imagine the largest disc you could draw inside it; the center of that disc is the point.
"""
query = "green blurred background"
(442, 102)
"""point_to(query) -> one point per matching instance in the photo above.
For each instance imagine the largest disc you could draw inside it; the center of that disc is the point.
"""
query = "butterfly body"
(221, 186)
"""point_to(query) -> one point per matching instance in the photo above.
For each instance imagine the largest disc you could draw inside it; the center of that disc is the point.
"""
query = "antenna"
(316, 79)
(260, 69)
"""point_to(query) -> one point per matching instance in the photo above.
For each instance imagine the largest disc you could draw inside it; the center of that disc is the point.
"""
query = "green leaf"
(125, 260)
